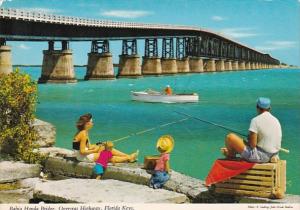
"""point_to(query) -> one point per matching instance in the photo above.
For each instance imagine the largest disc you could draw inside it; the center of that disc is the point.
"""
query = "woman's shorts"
(256, 155)
(98, 169)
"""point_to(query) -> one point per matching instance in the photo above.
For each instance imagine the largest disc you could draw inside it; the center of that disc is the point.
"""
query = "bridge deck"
(36, 17)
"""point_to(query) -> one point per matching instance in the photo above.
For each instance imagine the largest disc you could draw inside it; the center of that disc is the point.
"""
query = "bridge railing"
(43, 17)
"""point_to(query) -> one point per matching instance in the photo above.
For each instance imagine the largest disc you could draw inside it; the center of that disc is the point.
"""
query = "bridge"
(184, 49)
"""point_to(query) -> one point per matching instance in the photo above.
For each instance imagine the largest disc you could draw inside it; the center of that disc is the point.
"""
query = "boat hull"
(161, 98)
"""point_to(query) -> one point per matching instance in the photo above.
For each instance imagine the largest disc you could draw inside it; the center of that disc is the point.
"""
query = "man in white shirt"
(264, 139)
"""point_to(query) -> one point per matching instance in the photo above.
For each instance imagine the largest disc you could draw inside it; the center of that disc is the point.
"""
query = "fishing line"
(224, 127)
(212, 123)
(150, 129)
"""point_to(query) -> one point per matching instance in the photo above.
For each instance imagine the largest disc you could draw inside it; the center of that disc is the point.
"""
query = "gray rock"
(56, 151)
(71, 168)
(131, 172)
(30, 182)
(11, 171)
(16, 196)
(46, 133)
(98, 191)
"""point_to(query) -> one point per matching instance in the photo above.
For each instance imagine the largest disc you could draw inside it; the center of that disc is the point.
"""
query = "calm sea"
(226, 98)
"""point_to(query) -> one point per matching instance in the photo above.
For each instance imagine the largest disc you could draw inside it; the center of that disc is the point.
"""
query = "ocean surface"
(226, 98)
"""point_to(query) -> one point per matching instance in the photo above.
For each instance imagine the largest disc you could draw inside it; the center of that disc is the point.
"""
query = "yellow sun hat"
(109, 144)
(165, 143)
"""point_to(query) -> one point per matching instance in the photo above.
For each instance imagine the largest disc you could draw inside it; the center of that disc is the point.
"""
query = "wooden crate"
(266, 180)
(150, 162)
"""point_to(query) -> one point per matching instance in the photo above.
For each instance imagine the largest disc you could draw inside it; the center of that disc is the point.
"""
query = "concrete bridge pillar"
(5, 59)
(241, 65)
(100, 66)
(209, 65)
(58, 65)
(129, 66)
(196, 64)
(253, 66)
(220, 65)
(259, 65)
(248, 65)
(151, 66)
(151, 62)
(183, 65)
(169, 66)
(100, 63)
(129, 62)
(228, 65)
(235, 65)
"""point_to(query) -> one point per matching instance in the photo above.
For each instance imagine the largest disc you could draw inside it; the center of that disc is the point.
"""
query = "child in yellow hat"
(104, 157)
(165, 145)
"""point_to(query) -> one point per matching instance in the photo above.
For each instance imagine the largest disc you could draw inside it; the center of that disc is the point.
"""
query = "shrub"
(18, 96)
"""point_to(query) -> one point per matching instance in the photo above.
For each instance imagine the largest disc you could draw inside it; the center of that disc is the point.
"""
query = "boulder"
(12, 171)
(30, 182)
(15, 196)
(56, 151)
(128, 172)
(102, 191)
(46, 133)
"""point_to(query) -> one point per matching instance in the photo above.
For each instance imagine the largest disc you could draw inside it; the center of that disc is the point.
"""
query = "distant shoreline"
(33, 65)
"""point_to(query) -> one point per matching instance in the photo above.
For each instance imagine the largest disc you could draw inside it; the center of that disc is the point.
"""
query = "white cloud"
(217, 18)
(2, 1)
(238, 32)
(277, 45)
(126, 13)
(23, 47)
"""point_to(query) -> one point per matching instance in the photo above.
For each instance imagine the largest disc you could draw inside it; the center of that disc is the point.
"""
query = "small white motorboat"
(158, 97)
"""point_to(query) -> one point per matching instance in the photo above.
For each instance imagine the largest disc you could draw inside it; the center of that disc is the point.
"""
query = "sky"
(270, 26)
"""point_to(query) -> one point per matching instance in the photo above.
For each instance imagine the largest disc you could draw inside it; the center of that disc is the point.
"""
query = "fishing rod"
(224, 127)
(150, 129)
(212, 123)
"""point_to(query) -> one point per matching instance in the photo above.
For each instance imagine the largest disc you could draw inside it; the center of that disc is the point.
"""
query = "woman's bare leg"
(116, 152)
(234, 144)
(132, 157)
(115, 159)
(120, 159)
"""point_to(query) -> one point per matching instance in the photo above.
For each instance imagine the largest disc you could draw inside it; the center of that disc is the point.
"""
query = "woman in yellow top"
(89, 152)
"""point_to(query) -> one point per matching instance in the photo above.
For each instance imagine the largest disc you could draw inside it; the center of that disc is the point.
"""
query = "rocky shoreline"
(65, 180)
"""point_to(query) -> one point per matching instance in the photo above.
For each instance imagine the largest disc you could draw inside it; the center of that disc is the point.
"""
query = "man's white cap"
(168, 86)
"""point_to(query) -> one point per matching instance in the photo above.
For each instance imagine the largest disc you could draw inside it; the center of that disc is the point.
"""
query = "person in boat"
(168, 90)
(87, 152)
(264, 138)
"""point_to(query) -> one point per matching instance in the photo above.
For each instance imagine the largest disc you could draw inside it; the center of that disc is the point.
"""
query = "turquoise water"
(226, 98)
